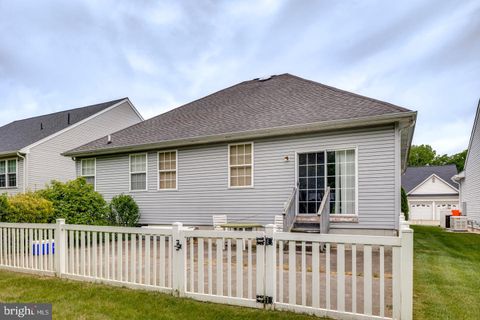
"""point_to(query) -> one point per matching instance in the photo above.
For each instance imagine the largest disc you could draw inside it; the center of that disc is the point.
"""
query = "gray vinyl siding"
(45, 162)
(203, 180)
(19, 188)
(470, 189)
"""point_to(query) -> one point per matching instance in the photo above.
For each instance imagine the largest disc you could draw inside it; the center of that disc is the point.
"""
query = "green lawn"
(81, 300)
(446, 274)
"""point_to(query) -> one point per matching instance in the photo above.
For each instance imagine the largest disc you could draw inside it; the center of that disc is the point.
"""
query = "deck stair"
(306, 224)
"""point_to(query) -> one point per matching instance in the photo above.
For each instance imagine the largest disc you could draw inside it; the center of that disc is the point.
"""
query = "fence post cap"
(60, 221)
(177, 225)
(270, 229)
(405, 227)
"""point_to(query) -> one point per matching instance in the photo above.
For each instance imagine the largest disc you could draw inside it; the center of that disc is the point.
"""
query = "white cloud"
(162, 54)
(142, 63)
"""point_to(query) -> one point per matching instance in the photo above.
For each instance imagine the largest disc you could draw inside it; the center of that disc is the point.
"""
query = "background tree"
(421, 155)
(424, 155)
(459, 159)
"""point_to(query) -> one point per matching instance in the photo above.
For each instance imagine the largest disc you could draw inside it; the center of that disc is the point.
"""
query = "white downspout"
(24, 170)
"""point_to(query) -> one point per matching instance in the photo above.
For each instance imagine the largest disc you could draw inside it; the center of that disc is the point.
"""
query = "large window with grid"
(138, 172)
(88, 170)
(167, 170)
(240, 165)
(8, 173)
(319, 170)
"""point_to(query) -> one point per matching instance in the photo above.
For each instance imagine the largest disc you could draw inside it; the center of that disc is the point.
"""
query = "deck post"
(178, 260)
(60, 246)
(406, 234)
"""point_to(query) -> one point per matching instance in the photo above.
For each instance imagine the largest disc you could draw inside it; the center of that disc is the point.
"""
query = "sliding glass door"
(333, 168)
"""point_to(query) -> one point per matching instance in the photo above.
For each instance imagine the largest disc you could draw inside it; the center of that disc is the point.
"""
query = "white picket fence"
(339, 276)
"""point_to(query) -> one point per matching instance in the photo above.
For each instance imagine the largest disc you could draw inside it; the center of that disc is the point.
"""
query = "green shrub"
(405, 208)
(3, 206)
(29, 208)
(77, 202)
(124, 211)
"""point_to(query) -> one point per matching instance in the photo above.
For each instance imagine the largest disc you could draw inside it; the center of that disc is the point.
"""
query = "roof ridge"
(68, 110)
(331, 88)
(199, 99)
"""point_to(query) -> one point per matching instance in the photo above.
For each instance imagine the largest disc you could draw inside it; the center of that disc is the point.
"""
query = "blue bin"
(43, 248)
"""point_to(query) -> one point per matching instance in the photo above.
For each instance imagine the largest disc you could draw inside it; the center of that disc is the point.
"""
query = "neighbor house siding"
(470, 192)
(203, 180)
(45, 161)
(20, 173)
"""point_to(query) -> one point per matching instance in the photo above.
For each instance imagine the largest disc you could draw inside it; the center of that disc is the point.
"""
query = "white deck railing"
(290, 210)
(339, 276)
(324, 212)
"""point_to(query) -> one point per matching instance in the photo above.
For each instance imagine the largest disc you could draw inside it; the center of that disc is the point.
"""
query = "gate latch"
(264, 241)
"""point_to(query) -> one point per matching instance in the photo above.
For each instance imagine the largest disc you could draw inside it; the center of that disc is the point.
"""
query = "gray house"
(469, 179)
(30, 149)
(430, 190)
(243, 150)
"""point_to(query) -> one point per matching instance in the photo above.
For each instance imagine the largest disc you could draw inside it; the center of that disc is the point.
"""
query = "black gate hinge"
(265, 299)
(178, 245)
(264, 241)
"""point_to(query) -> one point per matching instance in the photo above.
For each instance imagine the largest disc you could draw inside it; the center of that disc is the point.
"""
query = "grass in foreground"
(81, 300)
(446, 274)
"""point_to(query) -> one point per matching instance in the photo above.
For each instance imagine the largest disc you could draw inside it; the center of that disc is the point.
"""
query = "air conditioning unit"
(458, 223)
(443, 217)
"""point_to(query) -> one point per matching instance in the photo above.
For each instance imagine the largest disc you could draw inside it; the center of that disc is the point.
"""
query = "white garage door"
(421, 211)
(444, 206)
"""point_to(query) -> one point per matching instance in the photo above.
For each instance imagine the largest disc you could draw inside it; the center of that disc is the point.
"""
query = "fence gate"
(226, 267)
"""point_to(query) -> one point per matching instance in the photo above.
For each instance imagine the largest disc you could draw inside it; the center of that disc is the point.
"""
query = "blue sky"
(423, 55)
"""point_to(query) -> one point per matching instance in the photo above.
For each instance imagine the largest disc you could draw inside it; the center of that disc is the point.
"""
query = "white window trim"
(326, 149)
(6, 173)
(253, 166)
(130, 172)
(94, 171)
(176, 171)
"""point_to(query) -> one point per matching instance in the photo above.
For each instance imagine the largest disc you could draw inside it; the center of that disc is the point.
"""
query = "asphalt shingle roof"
(282, 100)
(415, 175)
(21, 133)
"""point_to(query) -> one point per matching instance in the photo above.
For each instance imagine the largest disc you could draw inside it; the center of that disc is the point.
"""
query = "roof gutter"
(409, 130)
(8, 153)
(405, 118)
(458, 177)
(24, 170)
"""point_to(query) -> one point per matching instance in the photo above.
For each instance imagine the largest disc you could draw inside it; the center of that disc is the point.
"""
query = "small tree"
(124, 211)
(77, 202)
(405, 208)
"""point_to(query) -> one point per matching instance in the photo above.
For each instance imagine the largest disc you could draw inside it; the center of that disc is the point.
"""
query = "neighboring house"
(469, 179)
(430, 190)
(30, 149)
(242, 150)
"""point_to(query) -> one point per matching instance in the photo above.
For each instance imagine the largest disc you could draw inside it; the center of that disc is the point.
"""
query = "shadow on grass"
(80, 300)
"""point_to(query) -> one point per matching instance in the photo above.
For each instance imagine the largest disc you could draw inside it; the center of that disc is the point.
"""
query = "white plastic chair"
(218, 220)
(278, 222)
